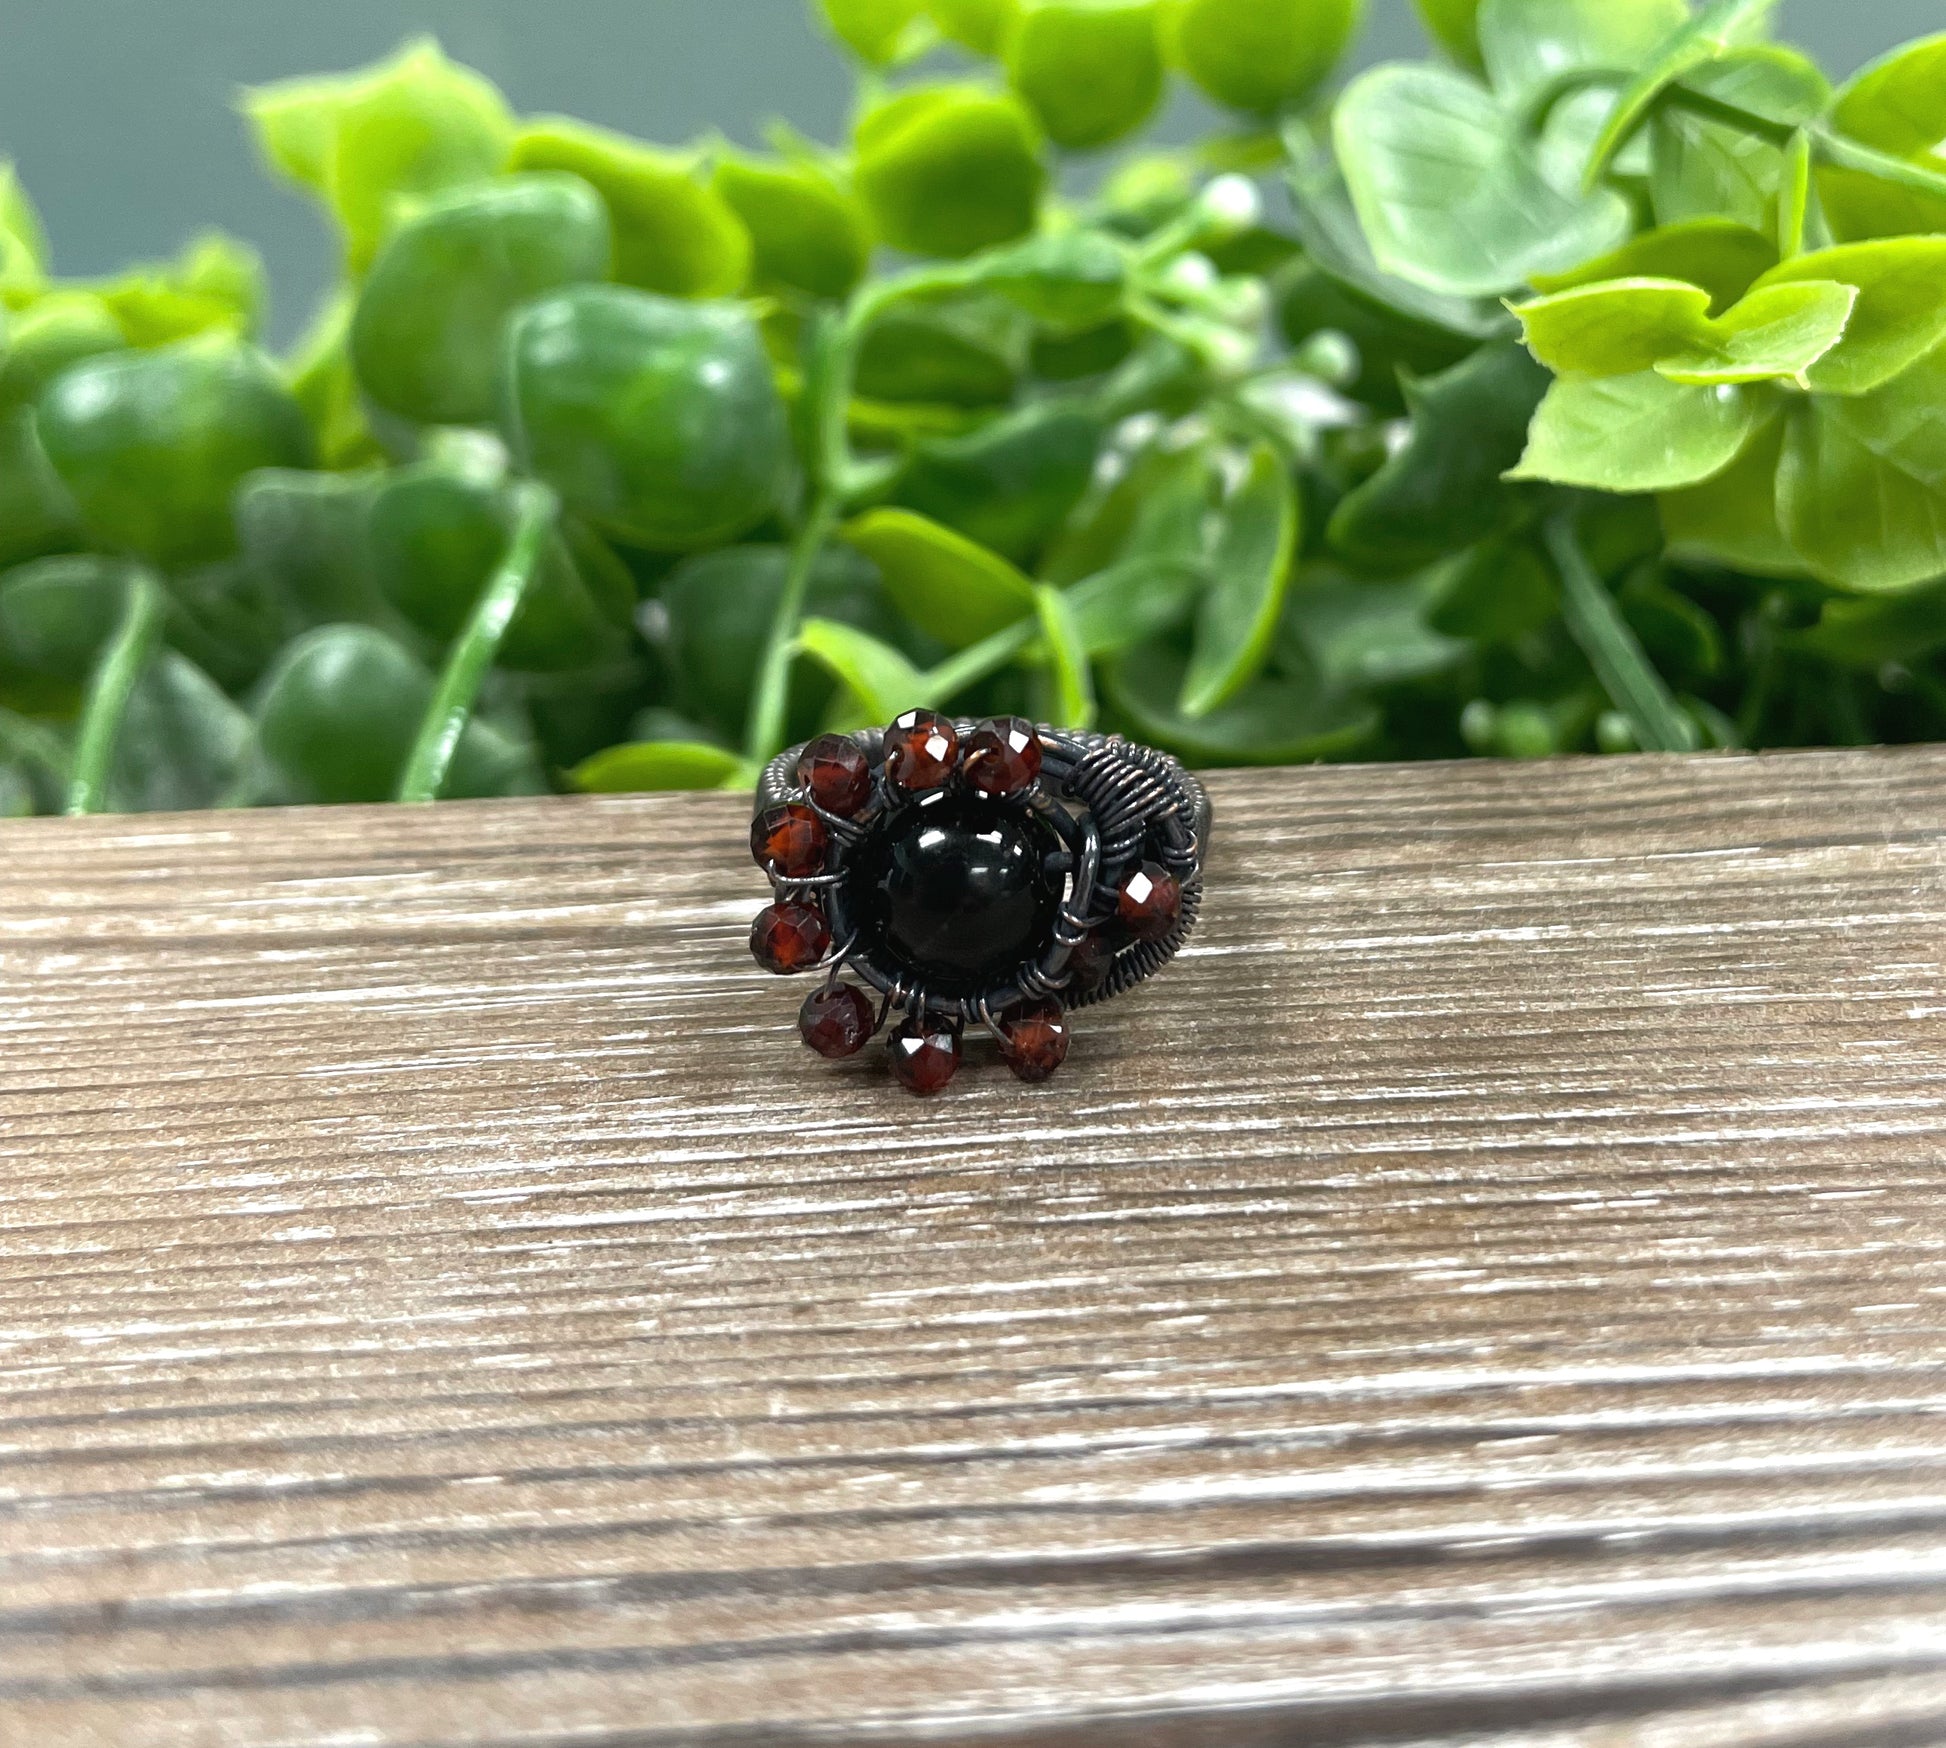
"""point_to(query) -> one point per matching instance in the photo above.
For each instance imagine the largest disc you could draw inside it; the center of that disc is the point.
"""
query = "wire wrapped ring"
(997, 874)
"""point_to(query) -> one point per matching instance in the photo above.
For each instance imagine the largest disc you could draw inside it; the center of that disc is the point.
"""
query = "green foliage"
(1588, 394)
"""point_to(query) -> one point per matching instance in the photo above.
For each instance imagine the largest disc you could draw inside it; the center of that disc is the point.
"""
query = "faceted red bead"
(1003, 757)
(838, 775)
(1091, 961)
(787, 938)
(921, 749)
(1150, 902)
(925, 1053)
(790, 840)
(1034, 1039)
(837, 1022)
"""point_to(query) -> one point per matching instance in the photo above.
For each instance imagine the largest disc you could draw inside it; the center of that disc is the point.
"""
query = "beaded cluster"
(989, 873)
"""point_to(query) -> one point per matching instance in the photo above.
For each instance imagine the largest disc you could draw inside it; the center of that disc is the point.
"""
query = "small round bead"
(925, 1053)
(1034, 1039)
(788, 938)
(1003, 757)
(836, 773)
(1150, 902)
(1091, 961)
(837, 1022)
(921, 749)
(789, 840)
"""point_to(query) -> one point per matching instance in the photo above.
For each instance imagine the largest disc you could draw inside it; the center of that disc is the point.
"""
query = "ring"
(996, 874)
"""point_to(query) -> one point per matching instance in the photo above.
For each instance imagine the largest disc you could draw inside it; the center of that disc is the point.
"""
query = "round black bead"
(959, 891)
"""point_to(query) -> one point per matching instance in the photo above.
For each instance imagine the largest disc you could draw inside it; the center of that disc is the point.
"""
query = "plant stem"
(1619, 661)
(109, 690)
(977, 661)
(767, 710)
(476, 648)
(1750, 121)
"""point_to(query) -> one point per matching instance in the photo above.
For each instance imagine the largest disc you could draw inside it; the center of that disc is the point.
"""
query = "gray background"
(120, 115)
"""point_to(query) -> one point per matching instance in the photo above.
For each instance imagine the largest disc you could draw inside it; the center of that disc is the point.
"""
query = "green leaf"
(57, 613)
(1780, 331)
(1862, 487)
(658, 421)
(1900, 316)
(152, 445)
(338, 715)
(413, 126)
(1454, 25)
(1614, 329)
(1067, 659)
(427, 339)
(1897, 105)
(1258, 56)
(1625, 672)
(943, 582)
(303, 536)
(882, 683)
(1704, 167)
(1442, 489)
(1008, 484)
(1335, 242)
(1273, 721)
(183, 744)
(1868, 631)
(979, 25)
(55, 331)
(878, 32)
(948, 170)
(673, 232)
(1449, 191)
(1068, 281)
(1529, 44)
(647, 767)
(1716, 30)
(1133, 601)
(807, 232)
(1250, 571)
(1731, 520)
(23, 241)
(1722, 256)
(1357, 635)
(1090, 70)
(1640, 433)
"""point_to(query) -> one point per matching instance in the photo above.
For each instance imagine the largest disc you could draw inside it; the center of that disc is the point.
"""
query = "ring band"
(998, 874)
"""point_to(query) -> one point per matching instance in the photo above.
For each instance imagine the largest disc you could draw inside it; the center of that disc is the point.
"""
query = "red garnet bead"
(834, 769)
(787, 938)
(1003, 757)
(1150, 902)
(1034, 1039)
(925, 1053)
(1091, 961)
(790, 841)
(837, 1022)
(921, 749)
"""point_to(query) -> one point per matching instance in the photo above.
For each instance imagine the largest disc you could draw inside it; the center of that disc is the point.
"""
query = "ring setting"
(998, 874)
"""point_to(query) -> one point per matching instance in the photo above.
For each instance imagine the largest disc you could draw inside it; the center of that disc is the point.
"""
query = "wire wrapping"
(1116, 803)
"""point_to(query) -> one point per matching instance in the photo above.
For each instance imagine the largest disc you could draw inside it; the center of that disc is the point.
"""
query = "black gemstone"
(960, 891)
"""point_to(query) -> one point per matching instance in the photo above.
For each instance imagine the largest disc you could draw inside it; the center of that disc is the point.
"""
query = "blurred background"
(119, 111)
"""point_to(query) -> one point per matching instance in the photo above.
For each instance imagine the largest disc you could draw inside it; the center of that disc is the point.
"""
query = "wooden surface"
(1492, 1289)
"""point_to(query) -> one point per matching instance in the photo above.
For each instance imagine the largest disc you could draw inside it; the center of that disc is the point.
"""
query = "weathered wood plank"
(1495, 1284)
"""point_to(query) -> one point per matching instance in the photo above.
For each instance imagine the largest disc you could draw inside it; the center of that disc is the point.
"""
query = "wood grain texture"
(1493, 1288)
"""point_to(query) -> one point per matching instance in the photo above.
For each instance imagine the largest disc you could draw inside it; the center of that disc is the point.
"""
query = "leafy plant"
(1585, 390)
